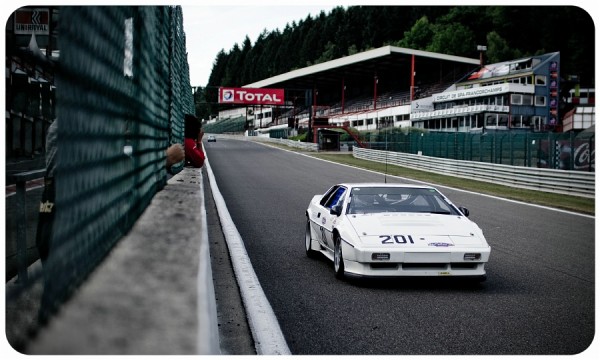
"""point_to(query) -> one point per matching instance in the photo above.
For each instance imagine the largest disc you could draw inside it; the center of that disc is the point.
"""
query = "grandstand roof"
(382, 60)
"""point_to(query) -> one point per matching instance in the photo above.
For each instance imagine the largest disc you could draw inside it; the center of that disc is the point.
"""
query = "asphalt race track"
(538, 299)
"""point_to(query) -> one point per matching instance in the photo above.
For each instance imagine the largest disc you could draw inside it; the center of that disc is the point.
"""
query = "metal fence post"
(590, 160)
(512, 149)
(527, 159)
(22, 232)
(481, 139)
(572, 153)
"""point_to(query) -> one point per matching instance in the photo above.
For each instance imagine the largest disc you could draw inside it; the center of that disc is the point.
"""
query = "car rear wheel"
(308, 241)
(338, 260)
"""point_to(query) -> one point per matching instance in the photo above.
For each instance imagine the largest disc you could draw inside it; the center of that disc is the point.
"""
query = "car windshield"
(369, 200)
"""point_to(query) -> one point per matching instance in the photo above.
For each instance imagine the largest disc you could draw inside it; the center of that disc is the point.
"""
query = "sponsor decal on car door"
(326, 229)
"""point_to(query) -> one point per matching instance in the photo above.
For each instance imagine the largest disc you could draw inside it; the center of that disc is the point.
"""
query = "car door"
(316, 215)
(324, 221)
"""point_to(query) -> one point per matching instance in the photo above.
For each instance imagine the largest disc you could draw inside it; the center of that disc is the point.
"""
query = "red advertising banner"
(29, 21)
(251, 96)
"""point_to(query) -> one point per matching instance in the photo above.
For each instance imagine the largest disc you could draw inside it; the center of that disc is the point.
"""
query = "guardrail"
(568, 182)
(20, 179)
(291, 143)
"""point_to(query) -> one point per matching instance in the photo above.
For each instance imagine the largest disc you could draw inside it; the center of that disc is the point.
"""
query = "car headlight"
(472, 256)
(380, 256)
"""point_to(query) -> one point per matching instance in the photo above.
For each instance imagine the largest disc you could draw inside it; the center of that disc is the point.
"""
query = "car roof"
(381, 184)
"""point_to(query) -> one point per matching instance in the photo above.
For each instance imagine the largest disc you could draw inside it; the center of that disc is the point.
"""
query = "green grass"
(566, 202)
(559, 201)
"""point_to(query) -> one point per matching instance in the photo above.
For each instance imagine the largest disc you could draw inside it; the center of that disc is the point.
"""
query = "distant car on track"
(211, 138)
(387, 230)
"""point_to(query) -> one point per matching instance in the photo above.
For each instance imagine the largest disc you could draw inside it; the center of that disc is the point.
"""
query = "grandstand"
(232, 125)
(349, 88)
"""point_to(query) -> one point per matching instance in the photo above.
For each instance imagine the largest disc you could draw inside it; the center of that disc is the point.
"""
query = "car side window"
(335, 198)
(328, 195)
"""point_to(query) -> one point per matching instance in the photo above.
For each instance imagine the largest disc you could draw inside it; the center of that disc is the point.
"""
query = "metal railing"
(20, 180)
(291, 143)
(568, 182)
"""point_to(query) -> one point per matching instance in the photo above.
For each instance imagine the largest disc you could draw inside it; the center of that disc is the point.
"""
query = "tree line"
(509, 32)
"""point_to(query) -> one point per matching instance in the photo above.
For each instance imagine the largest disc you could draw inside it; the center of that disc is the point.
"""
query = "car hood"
(416, 228)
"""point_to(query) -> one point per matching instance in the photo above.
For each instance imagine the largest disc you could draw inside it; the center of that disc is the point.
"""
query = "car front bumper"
(424, 262)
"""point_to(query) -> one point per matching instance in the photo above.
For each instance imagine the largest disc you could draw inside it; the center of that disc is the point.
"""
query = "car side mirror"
(336, 210)
(464, 210)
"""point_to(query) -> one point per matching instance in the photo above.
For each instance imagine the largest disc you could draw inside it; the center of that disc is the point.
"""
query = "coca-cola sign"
(251, 96)
(567, 155)
(584, 157)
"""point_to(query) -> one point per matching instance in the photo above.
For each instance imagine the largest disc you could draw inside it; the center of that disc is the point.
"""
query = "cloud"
(210, 29)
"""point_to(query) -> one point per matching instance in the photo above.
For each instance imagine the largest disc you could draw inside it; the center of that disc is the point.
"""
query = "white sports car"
(380, 229)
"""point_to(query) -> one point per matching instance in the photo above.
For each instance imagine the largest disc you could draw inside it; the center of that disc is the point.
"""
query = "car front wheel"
(338, 260)
(308, 241)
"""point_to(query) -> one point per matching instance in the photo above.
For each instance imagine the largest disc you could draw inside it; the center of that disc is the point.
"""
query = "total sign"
(251, 96)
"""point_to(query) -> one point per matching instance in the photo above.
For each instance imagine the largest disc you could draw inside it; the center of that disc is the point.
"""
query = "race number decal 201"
(398, 239)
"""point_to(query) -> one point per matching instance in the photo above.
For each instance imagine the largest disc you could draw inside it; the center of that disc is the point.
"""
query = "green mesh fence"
(567, 151)
(233, 125)
(122, 90)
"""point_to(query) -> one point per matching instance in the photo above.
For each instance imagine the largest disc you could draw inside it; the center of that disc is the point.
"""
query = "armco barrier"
(576, 183)
(291, 143)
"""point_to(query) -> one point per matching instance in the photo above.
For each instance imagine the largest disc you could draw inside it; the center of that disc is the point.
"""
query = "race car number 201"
(398, 239)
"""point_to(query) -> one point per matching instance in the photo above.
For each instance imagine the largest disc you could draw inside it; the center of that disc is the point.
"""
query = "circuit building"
(520, 94)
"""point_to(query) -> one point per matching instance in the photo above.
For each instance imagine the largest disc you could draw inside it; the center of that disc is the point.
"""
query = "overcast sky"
(209, 29)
